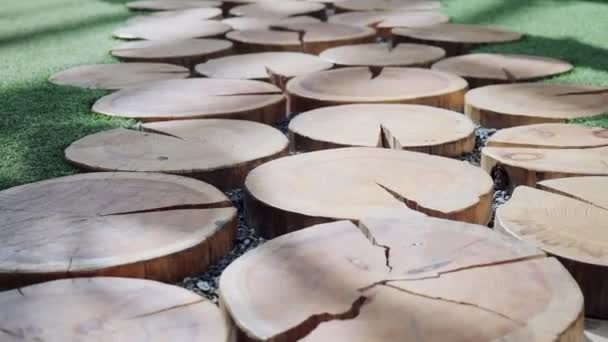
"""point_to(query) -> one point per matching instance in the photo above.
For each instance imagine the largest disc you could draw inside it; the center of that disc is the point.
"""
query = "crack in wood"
(411, 204)
(277, 79)
(301, 33)
(223, 204)
(585, 92)
(179, 306)
(10, 332)
(370, 237)
(375, 70)
(154, 131)
(510, 77)
(569, 195)
(387, 139)
(250, 94)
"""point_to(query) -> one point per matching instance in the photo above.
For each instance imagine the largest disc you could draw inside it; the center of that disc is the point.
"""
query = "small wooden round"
(389, 280)
(170, 5)
(509, 105)
(385, 5)
(197, 99)
(391, 85)
(286, 8)
(384, 21)
(187, 14)
(110, 309)
(382, 55)
(557, 135)
(172, 29)
(566, 218)
(256, 23)
(218, 151)
(117, 75)
(142, 225)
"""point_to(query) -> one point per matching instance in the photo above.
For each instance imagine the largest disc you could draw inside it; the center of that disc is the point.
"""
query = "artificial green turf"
(40, 37)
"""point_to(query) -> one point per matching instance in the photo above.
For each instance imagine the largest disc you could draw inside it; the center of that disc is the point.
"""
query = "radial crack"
(510, 77)
(585, 92)
(179, 306)
(224, 204)
(411, 204)
(277, 79)
(149, 130)
(370, 237)
(375, 70)
(387, 139)
(301, 33)
(569, 195)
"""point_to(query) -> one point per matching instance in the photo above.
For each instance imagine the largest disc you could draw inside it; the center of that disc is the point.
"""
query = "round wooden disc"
(384, 20)
(169, 5)
(556, 135)
(186, 52)
(285, 8)
(172, 29)
(117, 75)
(153, 226)
(402, 55)
(109, 309)
(386, 5)
(220, 152)
(392, 85)
(197, 99)
(187, 14)
(566, 222)
(347, 183)
(249, 23)
(509, 105)
(390, 280)
(318, 37)
(409, 127)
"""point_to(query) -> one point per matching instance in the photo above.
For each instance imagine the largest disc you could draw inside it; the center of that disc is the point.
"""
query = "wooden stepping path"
(509, 105)
(456, 39)
(185, 52)
(348, 183)
(481, 69)
(566, 219)
(556, 135)
(170, 5)
(409, 127)
(154, 226)
(109, 309)
(341, 282)
(316, 38)
(117, 75)
(274, 9)
(197, 99)
(387, 85)
(220, 152)
(172, 29)
(385, 20)
(386, 5)
(255, 23)
(383, 55)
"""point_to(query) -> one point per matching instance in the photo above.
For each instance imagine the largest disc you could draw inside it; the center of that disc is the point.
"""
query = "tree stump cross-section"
(257, 23)
(384, 55)
(172, 28)
(274, 9)
(170, 5)
(385, 20)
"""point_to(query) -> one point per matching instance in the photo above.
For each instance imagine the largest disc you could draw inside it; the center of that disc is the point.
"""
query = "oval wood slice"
(278, 9)
(117, 75)
(172, 29)
(386, 5)
(385, 20)
(342, 282)
(220, 152)
(197, 99)
(509, 105)
(456, 39)
(186, 14)
(256, 23)
(153, 226)
(383, 55)
(109, 309)
(409, 127)
(389, 85)
(170, 5)
(551, 135)
(348, 183)
(317, 37)
(567, 224)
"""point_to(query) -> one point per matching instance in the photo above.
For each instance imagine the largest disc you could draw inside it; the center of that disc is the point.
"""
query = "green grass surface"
(40, 37)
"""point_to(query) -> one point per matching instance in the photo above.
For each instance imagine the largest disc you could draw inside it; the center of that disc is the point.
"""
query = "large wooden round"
(153, 226)
(392, 85)
(197, 99)
(456, 39)
(556, 135)
(117, 75)
(481, 69)
(187, 14)
(317, 37)
(169, 5)
(278, 9)
(509, 105)
(420, 279)
(220, 152)
(172, 29)
(566, 221)
(385, 20)
(374, 54)
(347, 183)
(386, 5)
(109, 309)
(409, 127)
(256, 23)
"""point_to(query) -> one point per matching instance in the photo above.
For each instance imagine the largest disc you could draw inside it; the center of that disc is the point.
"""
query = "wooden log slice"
(170, 5)
(552, 135)
(385, 20)
(317, 37)
(481, 69)
(110, 309)
(391, 85)
(348, 183)
(186, 14)
(586, 189)
(381, 55)
(385, 5)
(117, 75)
(138, 225)
(185, 52)
(420, 279)
(279, 9)
(456, 39)
(172, 29)
(409, 127)
(256, 23)
(197, 99)
(569, 226)
(509, 105)
(220, 152)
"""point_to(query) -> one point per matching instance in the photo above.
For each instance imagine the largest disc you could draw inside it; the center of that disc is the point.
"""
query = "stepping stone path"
(169, 5)
(279, 9)
(382, 85)
(249, 23)
(509, 105)
(456, 39)
(348, 183)
(384, 21)
(197, 99)
(382, 55)
(409, 127)
(386, 5)
(172, 28)
(566, 218)
(340, 282)
(220, 152)
(109, 309)
(481, 69)
(117, 75)
(153, 226)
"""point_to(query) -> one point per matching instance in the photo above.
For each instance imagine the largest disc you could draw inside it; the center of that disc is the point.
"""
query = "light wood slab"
(551, 135)
(383, 55)
(185, 14)
(279, 9)
(169, 5)
(385, 20)
(385, 5)
(172, 28)
(256, 23)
